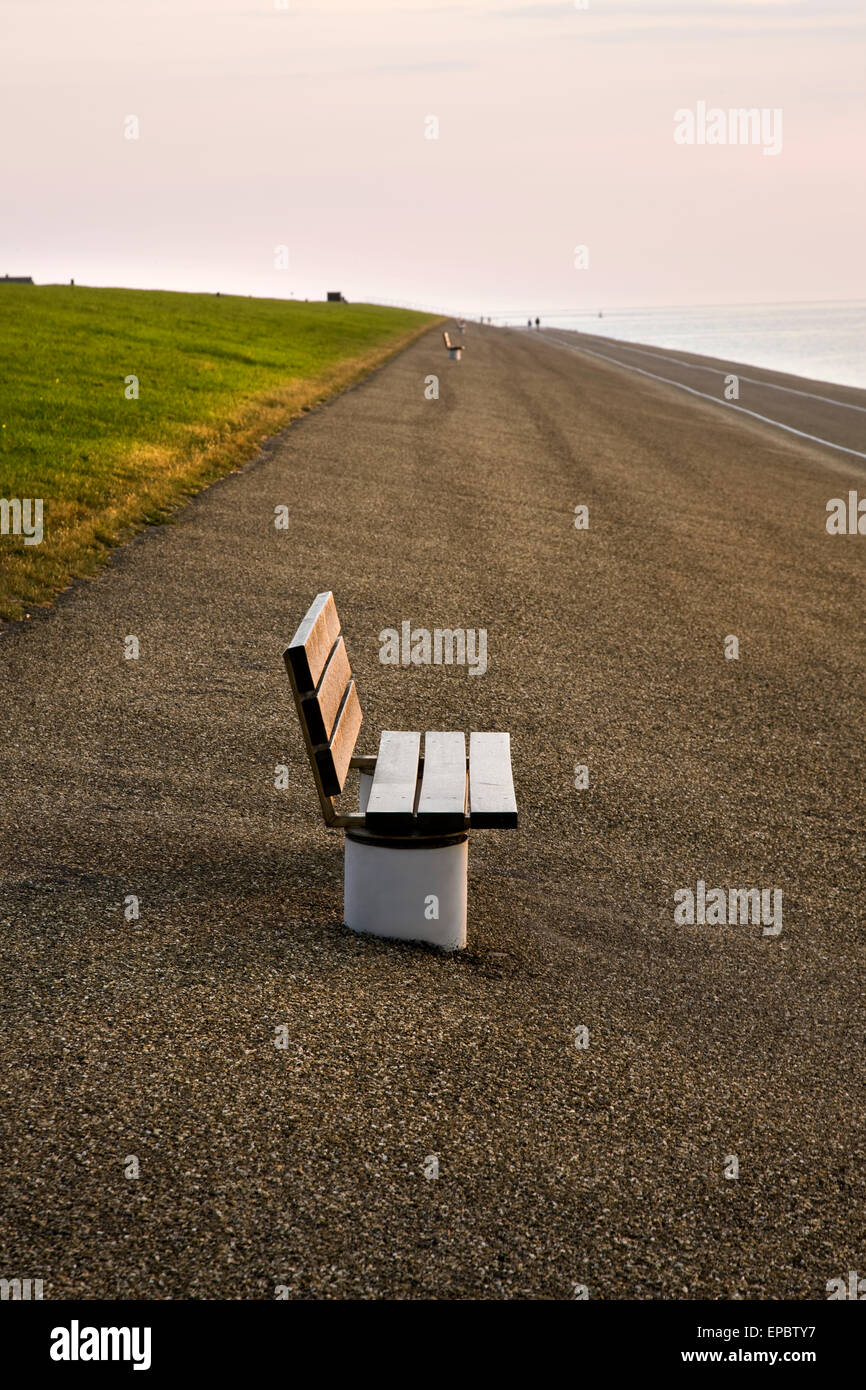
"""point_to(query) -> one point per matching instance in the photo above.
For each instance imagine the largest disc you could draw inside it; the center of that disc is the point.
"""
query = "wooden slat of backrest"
(447, 340)
(492, 803)
(391, 806)
(333, 759)
(321, 710)
(442, 803)
(311, 645)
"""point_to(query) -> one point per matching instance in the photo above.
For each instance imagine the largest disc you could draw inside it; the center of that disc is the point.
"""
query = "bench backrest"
(447, 338)
(325, 696)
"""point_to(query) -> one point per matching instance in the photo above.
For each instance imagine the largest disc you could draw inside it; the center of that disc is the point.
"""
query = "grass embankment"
(216, 375)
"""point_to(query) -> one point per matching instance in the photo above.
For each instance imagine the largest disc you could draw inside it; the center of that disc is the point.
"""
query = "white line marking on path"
(729, 405)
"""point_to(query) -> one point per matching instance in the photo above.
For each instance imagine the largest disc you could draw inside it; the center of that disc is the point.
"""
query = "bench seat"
(432, 795)
(415, 792)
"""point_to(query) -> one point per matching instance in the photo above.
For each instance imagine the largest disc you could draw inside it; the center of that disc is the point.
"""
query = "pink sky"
(304, 127)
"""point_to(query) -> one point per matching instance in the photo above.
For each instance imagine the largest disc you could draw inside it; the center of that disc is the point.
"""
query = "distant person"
(537, 322)
(529, 323)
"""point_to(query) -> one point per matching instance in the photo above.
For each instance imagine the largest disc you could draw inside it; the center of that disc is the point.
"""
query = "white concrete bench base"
(455, 354)
(407, 894)
(394, 891)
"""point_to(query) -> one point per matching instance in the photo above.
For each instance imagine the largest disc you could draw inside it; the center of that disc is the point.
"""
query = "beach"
(561, 1166)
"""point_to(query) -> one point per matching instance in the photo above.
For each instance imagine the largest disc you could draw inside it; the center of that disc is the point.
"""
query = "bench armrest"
(364, 762)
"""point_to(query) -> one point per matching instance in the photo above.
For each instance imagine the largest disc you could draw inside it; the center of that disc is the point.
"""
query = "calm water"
(823, 341)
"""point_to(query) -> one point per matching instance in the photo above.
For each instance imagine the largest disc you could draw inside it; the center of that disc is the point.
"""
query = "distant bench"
(420, 803)
(454, 349)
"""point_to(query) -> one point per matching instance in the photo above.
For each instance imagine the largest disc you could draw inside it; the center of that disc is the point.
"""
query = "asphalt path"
(602, 1166)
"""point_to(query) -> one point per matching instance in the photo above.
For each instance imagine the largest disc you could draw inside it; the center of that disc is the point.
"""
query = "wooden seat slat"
(492, 803)
(321, 710)
(390, 808)
(333, 760)
(442, 803)
(309, 649)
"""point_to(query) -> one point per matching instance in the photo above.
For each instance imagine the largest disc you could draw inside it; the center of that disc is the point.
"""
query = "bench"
(454, 349)
(406, 847)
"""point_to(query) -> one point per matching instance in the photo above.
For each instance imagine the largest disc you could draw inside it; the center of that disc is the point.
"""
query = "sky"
(305, 124)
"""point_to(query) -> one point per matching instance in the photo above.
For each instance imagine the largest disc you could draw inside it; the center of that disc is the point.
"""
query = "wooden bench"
(411, 797)
(454, 349)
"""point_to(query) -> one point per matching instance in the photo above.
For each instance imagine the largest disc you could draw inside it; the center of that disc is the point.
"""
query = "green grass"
(216, 376)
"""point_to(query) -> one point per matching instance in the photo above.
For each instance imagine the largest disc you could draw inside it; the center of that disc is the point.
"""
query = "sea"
(824, 341)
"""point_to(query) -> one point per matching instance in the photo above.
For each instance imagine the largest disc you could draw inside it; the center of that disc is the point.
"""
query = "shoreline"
(819, 341)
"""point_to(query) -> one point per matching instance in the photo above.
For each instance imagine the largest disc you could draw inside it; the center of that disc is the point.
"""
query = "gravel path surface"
(154, 777)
